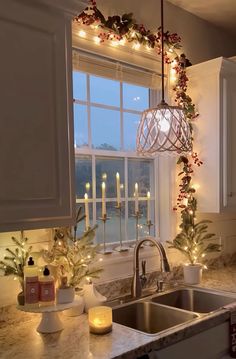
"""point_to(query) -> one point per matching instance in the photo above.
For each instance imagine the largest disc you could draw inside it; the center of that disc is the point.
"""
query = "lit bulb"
(163, 122)
(114, 43)
(148, 47)
(100, 259)
(136, 46)
(122, 41)
(89, 256)
(96, 40)
(82, 33)
(203, 255)
(185, 248)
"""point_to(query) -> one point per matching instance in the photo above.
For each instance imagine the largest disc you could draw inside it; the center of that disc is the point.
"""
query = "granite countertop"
(21, 340)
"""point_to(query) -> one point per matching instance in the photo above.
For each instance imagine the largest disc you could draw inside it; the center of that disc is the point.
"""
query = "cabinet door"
(229, 142)
(36, 129)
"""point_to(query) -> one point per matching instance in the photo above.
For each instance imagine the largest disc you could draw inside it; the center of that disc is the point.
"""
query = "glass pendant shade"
(163, 129)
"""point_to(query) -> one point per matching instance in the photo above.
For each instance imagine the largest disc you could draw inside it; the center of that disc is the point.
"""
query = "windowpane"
(105, 126)
(106, 169)
(131, 122)
(79, 86)
(135, 97)
(83, 176)
(104, 91)
(80, 126)
(140, 171)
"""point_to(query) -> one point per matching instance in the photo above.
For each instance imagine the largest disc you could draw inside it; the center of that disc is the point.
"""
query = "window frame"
(93, 152)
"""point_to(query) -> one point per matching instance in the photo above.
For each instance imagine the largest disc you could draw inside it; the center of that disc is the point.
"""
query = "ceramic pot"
(192, 273)
(65, 295)
(21, 298)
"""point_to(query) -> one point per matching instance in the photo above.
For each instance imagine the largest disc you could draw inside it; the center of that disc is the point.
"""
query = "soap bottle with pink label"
(46, 288)
(31, 284)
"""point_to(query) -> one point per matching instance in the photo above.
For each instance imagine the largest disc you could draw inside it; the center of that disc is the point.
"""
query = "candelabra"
(137, 216)
(105, 250)
(121, 247)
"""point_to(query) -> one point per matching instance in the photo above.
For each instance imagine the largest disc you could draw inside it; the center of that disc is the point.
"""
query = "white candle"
(86, 205)
(148, 206)
(136, 197)
(118, 188)
(104, 199)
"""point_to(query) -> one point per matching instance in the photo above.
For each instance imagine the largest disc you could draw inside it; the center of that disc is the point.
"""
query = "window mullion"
(121, 118)
(126, 197)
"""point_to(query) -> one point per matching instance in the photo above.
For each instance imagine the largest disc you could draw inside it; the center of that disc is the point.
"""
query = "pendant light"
(163, 128)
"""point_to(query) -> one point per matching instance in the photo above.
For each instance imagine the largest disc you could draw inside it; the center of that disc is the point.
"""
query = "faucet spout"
(136, 289)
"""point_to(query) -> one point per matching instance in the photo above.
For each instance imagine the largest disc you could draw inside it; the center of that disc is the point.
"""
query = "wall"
(201, 41)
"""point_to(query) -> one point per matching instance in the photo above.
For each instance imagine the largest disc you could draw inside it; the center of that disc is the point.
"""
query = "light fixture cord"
(162, 54)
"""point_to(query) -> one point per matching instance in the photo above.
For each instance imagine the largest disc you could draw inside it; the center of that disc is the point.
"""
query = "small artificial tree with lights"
(15, 260)
(74, 255)
(191, 239)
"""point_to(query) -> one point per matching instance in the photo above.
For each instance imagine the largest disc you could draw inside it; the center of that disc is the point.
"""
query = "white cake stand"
(50, 321)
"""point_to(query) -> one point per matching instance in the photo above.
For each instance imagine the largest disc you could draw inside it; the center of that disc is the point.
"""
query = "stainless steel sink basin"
(149, 317)
(194, 300)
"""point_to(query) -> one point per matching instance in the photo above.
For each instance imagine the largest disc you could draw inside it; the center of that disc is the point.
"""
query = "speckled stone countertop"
(19, 339)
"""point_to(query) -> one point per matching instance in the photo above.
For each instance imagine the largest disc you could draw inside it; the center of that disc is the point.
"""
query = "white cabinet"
(36, 124)
(212, 86)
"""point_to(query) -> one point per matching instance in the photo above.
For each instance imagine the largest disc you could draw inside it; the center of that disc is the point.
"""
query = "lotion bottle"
(31, 283)
(46, 288)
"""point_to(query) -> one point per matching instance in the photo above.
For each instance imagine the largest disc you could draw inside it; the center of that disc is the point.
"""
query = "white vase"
(92, 297)
(192, 273)
(78, 307)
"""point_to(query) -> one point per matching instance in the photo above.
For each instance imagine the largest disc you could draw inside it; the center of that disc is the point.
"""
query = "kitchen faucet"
(136, 289)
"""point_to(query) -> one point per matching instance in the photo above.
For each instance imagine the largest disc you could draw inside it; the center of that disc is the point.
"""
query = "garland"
(120, 29)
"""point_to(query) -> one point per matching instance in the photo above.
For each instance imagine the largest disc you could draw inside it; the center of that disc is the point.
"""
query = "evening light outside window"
(106, 116)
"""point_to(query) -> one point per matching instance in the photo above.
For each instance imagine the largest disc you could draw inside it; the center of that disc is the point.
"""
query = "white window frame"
(93, 153)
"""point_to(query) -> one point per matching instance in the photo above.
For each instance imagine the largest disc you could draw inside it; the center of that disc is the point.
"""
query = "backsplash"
(224, 226)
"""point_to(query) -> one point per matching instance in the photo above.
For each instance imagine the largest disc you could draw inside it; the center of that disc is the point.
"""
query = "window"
(106, 115)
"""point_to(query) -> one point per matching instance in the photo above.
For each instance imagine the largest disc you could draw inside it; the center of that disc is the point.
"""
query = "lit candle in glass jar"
(100, 320)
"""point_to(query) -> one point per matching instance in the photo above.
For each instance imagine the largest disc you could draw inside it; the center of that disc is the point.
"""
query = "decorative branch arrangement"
(120, 29)
(15, 260)
(72, 254)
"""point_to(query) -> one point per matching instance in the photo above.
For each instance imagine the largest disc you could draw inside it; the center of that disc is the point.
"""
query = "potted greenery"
(73, 255)
(14, 262)
(191, 241)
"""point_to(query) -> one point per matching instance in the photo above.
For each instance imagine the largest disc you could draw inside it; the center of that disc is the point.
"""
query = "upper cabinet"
(212, 86)
(36, 126)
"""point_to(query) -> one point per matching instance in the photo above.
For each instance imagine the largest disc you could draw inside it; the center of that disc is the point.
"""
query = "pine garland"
(124, 28)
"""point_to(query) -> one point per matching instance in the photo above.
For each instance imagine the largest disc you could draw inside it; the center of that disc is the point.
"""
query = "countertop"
(20, 339)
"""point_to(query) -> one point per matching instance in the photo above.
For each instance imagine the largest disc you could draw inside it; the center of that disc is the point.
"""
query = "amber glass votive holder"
(100, 320)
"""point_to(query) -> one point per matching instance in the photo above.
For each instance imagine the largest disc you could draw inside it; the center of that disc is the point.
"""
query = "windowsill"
(119, 265)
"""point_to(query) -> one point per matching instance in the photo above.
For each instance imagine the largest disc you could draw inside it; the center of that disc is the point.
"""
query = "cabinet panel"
(36, 129)
(212, 88)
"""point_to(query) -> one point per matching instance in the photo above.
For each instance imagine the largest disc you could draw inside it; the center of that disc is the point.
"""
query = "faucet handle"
(160, 285)
(144, 268)
(143, 277)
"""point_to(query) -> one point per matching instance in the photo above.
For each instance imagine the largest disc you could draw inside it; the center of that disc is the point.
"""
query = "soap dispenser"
(46, 288)
(31, 284)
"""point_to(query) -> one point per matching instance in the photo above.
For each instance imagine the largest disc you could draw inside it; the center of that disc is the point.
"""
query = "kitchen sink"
(194, 300)
(149, 317)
